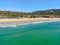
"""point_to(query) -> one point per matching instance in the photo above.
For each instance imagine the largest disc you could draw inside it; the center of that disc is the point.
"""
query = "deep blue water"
(32, 34)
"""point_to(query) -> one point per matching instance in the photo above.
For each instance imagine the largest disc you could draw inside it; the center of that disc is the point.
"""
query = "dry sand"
(29, 20)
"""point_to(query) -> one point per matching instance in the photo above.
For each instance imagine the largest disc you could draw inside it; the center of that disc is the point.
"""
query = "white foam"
(17, 24)
(8, 25)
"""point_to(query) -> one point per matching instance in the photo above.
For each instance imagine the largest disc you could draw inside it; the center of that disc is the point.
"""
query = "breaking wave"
(18, 24)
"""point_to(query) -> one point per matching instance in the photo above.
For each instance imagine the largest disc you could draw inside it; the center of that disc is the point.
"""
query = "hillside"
(39, 13)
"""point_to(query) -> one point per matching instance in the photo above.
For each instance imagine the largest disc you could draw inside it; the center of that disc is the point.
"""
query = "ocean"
(46, 33)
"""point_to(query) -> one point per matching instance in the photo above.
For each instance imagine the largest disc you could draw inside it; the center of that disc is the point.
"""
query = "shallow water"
(32, 34)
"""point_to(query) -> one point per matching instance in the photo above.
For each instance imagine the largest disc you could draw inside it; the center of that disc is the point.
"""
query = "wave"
(8, 25)
(18, 24)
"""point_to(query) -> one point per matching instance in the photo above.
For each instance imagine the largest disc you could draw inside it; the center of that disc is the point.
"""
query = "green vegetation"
(35, 14)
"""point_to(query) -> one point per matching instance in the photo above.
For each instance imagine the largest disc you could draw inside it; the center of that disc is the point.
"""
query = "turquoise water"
(31, 34)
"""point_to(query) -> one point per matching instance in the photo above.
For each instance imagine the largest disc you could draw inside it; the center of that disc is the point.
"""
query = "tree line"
(11, 14)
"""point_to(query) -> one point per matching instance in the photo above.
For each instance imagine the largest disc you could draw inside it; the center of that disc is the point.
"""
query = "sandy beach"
(21, 20)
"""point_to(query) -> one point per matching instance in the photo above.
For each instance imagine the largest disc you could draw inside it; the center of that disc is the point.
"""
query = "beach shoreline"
(25, 21)
(29, 19)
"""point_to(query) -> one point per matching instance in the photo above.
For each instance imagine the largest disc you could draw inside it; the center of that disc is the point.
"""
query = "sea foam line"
(17, 24)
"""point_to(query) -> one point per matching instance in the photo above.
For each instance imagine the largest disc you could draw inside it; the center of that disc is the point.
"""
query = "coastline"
(25, 21)
(21, 20)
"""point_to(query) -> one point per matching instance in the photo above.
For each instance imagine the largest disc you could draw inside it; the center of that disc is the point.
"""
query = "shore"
(24, 21)
(29, 19)
(21, 20)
